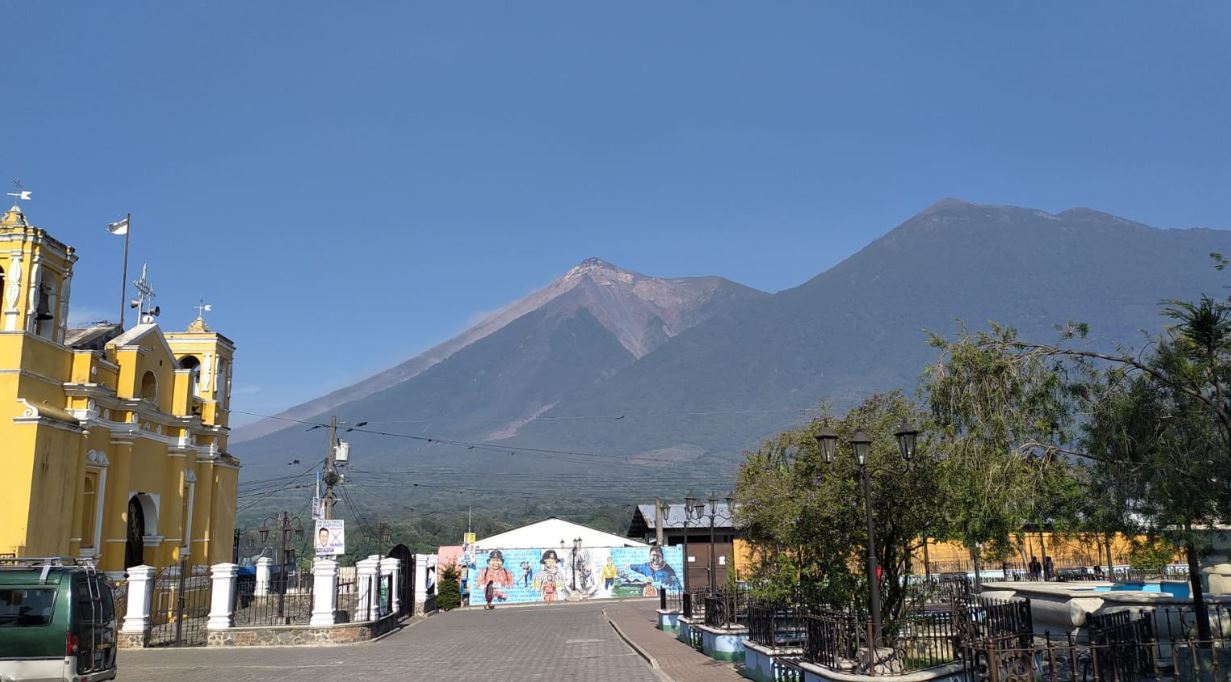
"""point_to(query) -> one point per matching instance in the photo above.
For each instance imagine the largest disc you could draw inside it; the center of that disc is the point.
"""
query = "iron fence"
(776, 624)
(671, 599)
(726, 608)
(179, 606)
(841, 641)
(347, 592)
(284, 599)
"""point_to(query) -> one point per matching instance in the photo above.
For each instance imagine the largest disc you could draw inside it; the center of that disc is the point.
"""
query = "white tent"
(554, 532)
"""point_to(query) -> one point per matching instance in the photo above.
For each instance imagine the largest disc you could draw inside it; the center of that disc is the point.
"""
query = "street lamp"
(689, 501)
(861, 444)
(284, 524)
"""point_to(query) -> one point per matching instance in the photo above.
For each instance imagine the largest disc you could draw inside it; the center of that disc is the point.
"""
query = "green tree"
(806, 518)
(448, 590)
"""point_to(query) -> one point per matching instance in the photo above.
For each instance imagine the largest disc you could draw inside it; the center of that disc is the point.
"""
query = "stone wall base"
(302, 635)
(130, 640)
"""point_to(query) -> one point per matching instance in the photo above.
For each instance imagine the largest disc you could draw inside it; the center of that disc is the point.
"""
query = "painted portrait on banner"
(551, 575)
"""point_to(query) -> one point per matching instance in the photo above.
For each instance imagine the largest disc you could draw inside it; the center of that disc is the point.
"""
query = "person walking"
(1035, 568)
(1049, 568)
(489, 593)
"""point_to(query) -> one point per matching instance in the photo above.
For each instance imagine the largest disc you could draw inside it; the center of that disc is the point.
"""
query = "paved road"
(559, 642)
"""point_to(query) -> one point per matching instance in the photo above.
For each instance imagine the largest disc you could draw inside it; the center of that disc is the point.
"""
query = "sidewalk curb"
(662, 675)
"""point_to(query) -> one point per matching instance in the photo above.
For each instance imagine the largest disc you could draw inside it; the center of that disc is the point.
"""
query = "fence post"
(421, 584)
(222, 597)
(367, 574)
(140, 592)
(395, 570)
(324, 592)
(264, 568)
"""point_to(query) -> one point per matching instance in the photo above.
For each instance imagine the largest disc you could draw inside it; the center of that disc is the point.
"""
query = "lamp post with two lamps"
(285, 525)
(699, 512)
(827, 443)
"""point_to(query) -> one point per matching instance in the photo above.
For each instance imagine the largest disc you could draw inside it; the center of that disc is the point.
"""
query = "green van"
(57, 622)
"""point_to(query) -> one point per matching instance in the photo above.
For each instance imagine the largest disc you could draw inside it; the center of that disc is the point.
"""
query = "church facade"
(113, 441)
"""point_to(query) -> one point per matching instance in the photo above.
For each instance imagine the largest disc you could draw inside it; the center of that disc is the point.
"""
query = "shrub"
(448, 589)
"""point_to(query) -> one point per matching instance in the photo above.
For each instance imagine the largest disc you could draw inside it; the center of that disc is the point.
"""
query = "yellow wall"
(66, 413)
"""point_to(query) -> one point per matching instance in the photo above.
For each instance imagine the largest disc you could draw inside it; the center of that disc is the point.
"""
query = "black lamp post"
(689, 502)
(827, 442)
(284, 524)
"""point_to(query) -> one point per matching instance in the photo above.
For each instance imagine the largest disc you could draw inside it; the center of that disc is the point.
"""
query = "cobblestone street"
(561, 642)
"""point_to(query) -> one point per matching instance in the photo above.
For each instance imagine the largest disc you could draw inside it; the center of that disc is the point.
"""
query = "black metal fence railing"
(1121, 647)
(776, 624)
(284, 599)
(692, 604)
(179, 605)
(840, 641)
(347, 592)
(671, 599)
(727, 608)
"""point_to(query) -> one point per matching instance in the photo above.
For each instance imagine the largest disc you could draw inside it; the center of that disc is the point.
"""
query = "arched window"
(191, 362)
(134, 547)
(89, 507)
(149, 387)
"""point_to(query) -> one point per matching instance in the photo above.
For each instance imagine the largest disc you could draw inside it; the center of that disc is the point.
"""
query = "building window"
(44, 311)
(149, 387)
(89, 509)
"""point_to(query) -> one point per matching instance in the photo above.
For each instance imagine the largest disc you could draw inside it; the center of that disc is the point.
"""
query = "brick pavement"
(558, 642)
(676, 660)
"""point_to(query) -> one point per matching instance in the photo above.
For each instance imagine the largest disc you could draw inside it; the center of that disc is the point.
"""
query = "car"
(57, 621)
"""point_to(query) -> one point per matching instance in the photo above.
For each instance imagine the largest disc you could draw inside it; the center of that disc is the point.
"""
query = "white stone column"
(140, 592)
(324, 591)
(264, 569)
(366, 572)
(421, 583)
(222, 597)
(393, 568)
(433, 579)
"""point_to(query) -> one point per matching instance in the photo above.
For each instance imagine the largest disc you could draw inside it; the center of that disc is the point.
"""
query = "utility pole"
(331, 467)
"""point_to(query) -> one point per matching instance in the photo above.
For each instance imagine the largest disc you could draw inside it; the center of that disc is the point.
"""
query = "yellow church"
(113, 442)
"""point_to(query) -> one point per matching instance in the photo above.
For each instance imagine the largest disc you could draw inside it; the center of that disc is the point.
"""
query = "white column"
(324, 591)
(421, 583)
(140, 592)
(433, 578)
(366, 572)
(264, 568)
(222, 597)
(393, 568)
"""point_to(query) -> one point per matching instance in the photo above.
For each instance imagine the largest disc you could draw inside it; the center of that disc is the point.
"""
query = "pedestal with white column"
(324, 592)
(222, 597)
(140, 592)
(264, 570)
(367, 574)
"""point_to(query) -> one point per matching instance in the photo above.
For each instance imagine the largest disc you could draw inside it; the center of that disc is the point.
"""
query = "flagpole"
(124, 276)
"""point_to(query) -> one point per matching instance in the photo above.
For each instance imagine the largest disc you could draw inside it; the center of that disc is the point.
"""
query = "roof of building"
(674, 518)
(93, 337)
(553, 532)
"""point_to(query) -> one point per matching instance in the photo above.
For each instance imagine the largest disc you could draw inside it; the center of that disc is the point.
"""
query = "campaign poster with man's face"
(330, 537)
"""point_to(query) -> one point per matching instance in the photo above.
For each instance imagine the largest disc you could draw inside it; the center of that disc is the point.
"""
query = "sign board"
(330, 537)
(468, 538)
(318, 511)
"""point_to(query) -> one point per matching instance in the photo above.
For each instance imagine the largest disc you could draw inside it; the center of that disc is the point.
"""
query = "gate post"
(222, 597)
(140, 592)
(421, 584)
(264, 567)
(367, 573)
(394, 568)
(324, 591)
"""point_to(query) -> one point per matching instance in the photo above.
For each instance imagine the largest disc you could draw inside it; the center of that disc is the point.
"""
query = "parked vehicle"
(57, 621)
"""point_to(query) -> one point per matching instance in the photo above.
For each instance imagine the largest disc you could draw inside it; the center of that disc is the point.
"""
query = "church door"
(134, 548)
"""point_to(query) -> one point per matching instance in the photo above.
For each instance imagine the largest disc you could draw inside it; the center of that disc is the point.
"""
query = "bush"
(448, 589)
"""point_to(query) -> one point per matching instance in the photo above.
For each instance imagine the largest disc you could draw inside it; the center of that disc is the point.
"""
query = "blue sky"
(349, 183)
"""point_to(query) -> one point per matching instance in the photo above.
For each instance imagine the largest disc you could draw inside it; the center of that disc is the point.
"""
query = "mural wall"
(532, 575)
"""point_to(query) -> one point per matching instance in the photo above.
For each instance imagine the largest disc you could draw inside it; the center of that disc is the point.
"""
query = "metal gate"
(179, 606)
(406, 584)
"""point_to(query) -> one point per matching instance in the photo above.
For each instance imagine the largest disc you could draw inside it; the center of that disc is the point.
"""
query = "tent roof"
(553, 532)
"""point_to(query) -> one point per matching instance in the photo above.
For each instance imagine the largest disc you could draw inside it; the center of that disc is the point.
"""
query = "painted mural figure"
(496, 574)
(657, 569)
(610, 573)
(527, 575)
(549, 579)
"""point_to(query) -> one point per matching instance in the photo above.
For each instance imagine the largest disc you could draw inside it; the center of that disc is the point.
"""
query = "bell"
(42, 312)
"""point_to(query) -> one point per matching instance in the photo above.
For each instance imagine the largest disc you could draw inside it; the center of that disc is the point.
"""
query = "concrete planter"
(668, 620)
(950, 672)
(761, 663)
(723, 644)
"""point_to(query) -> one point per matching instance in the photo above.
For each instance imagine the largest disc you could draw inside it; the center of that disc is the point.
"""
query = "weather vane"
(145, 296)
(21, 194)
(202, 308)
